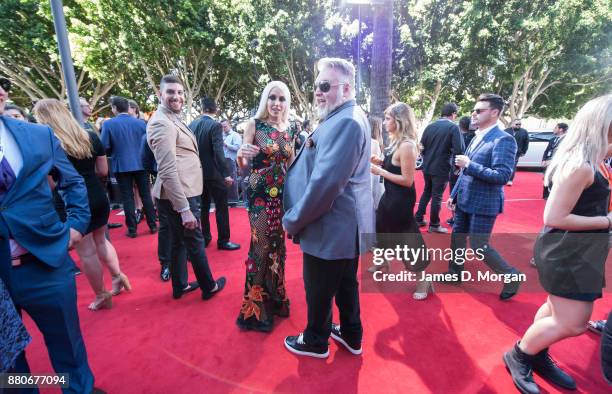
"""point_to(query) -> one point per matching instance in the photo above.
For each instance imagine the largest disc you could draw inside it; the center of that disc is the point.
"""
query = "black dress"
(395, 222)
(571, 264)
(98, 201)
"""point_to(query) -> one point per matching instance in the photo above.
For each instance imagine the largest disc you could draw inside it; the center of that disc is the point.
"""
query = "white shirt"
(232, 142)
(10, 149)
(479, 135)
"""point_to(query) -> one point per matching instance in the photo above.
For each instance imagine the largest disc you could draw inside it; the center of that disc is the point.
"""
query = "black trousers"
(233, 189)
(48, 295)
(516, 159)
(452, 181)
(606, 349)
(433, 189)
(164, 240)
(126, 182)
(215, 190)
(164, 244)
(186, 242)
(324, 280)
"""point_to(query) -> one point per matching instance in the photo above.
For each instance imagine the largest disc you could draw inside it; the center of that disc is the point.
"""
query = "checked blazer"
(480, 187)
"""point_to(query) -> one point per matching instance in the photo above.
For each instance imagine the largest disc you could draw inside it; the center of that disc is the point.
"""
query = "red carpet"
(450, 343)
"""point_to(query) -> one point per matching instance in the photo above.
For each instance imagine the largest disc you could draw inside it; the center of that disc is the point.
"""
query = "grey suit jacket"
(327, 198)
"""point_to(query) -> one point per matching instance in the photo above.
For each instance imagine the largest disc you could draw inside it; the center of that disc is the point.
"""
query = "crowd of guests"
(341, 184)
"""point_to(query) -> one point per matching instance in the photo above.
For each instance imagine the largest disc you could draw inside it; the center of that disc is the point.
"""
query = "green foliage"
(547, 57)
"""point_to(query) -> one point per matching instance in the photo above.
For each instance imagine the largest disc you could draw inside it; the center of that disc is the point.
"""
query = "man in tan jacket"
(178, 189)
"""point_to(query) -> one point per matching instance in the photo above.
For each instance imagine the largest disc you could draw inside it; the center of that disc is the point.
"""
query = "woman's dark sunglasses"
(273, 97)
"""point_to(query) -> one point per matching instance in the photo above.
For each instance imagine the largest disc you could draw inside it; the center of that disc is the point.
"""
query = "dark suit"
(479, 195)
(521, 136)
(209, 134)
(146, 157)
(43, 283)
(549, 152)
(551, 148)
(440, 141)
(122, 138)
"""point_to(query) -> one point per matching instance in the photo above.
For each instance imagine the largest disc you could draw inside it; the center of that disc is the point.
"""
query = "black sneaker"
(421, 223)
(546, 367)
(351, 346)
(597, 326)
(296, 345)
(519, 366)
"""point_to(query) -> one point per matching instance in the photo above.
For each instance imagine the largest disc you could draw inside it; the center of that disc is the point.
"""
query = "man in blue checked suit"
(478, 196)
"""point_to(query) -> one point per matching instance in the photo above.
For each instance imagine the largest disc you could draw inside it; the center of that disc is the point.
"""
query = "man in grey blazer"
(328, 207)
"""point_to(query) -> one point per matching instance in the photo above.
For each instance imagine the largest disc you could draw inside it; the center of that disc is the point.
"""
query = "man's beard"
(328, 108)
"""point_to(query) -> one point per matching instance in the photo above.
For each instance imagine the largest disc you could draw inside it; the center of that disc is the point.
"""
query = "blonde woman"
(377, 150)
(268, 145)
(395, 214)
(572, 248)
(85, 152)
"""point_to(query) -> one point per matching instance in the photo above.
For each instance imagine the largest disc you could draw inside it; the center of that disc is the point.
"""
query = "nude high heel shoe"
(384, 266)
(120, 282)
(104, 300)
(422, 290)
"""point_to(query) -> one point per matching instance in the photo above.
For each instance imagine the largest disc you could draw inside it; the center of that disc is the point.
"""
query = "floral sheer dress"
(264, 290)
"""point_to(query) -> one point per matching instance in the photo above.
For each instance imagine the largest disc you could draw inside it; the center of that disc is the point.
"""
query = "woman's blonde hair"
(376, 126)
(586, 141)
(406, 125)
(262, 111)
(74, 139)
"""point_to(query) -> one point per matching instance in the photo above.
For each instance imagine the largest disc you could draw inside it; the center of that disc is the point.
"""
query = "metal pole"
(67, 67)
(359, 54)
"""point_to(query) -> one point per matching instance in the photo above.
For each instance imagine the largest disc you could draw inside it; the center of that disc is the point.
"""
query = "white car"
(538, 141)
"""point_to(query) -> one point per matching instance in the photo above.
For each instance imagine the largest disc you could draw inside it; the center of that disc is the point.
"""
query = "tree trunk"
(422, 123)
(380, 74)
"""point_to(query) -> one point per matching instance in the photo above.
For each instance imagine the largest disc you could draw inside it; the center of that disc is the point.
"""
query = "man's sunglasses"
(5, 84)
(479, 110)
(273, 97)
(325, 86)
